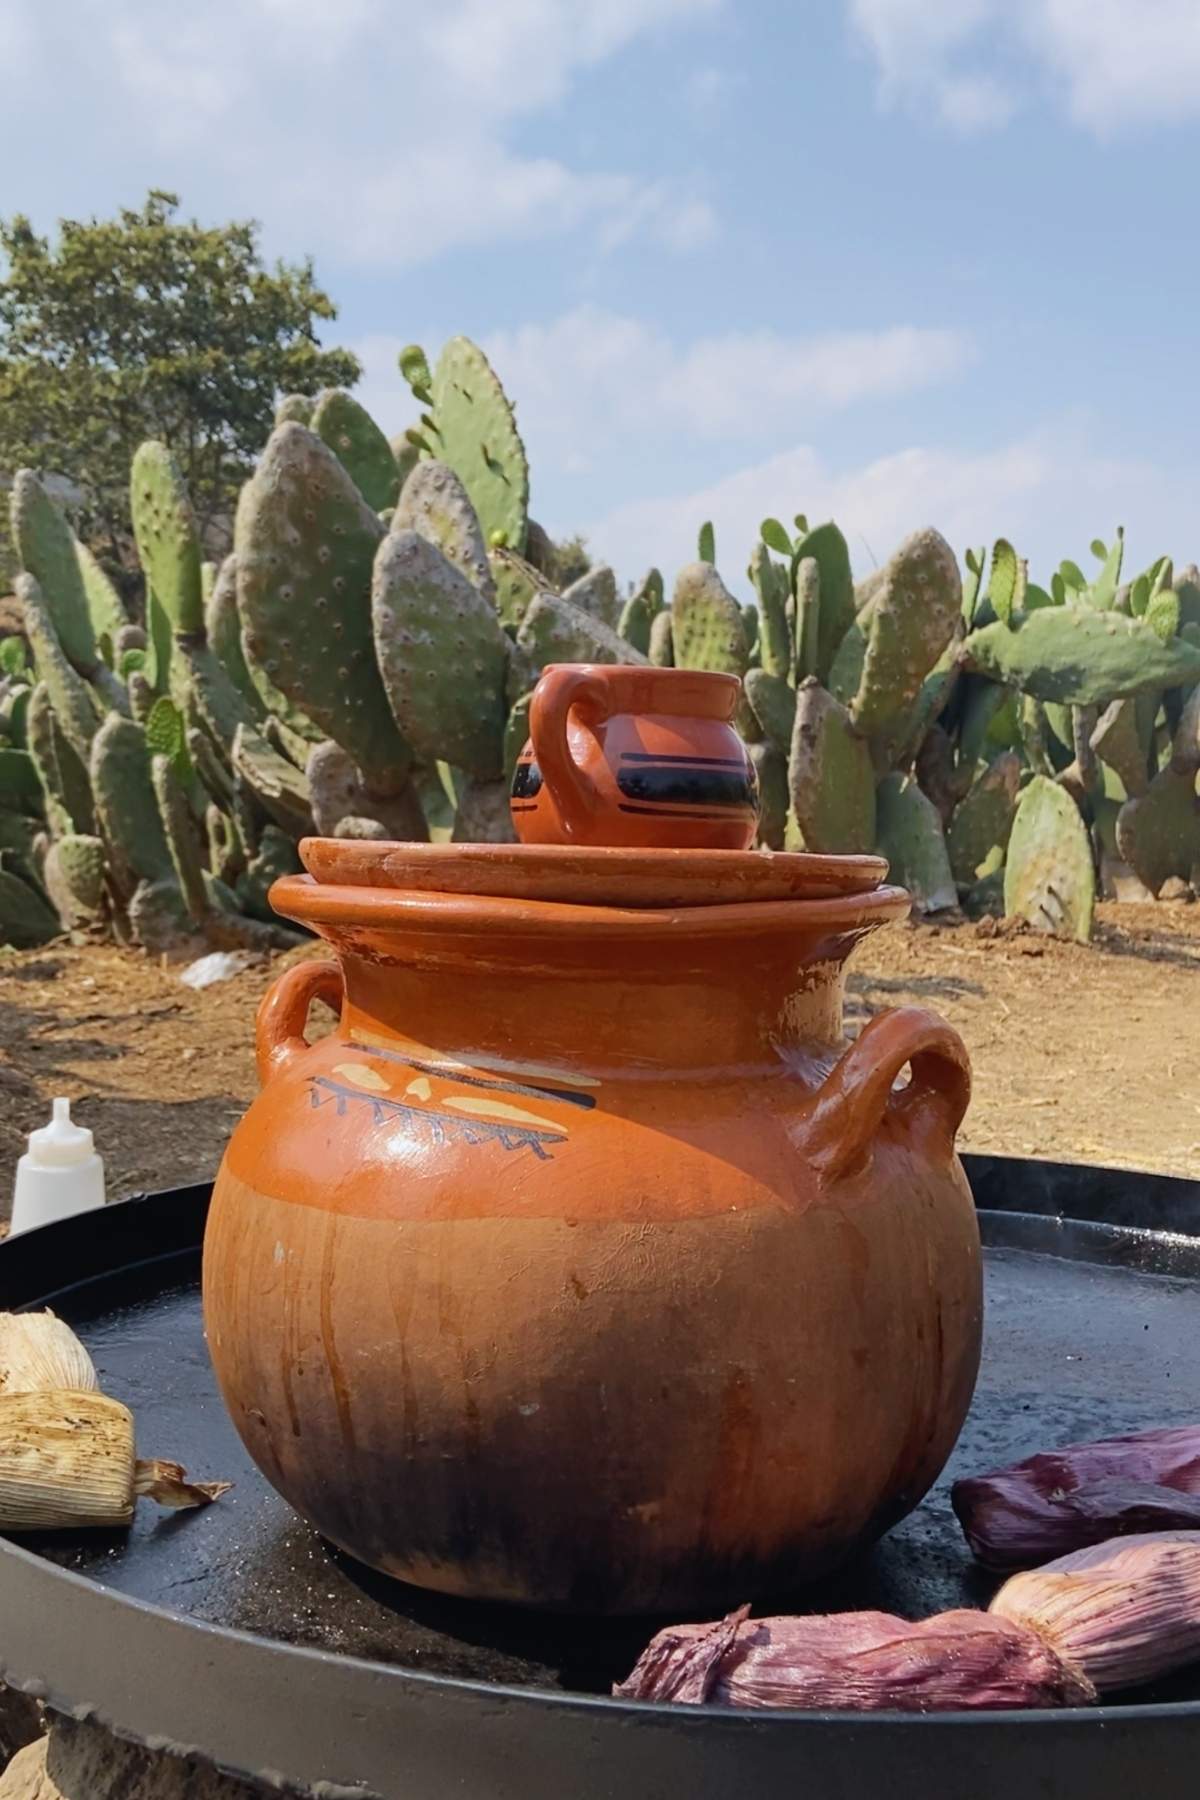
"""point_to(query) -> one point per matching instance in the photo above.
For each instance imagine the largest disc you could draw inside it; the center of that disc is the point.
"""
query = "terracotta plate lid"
(591, 876)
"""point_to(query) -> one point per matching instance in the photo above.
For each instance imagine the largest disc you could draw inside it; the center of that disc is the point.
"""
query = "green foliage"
(148, 326)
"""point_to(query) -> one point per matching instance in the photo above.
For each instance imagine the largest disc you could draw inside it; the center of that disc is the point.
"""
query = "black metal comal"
(239, 1635)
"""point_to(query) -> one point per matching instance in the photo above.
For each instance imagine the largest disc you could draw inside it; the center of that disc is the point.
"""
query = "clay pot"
(635, 756)
(583, 1265)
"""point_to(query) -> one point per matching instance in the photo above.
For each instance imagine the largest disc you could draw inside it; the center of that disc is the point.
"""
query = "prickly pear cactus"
(359, 445)
(661, 650)
(477, 435)
(73, 875)
(1158, 833)
(913, 616)
(554, 631)
(909, 833)
(596, 593)
(442, 655)
(223, 630)
(46, 547)
(434, 503)
(1121, 739)
(74, 708)
(706, 629)
(168, 542)
(483, 815)
(105, 608)
(126, 808)
(305, 543)
(773, 702)
(830, 776)
(280, 789)
(337, 793)
(1049, 876)
(183, 839)
(776, 653)
(826, 546)
(1079, 657)
(276, 856)
(980, 828)
(774, 798)
(295, 407)
(26, 917)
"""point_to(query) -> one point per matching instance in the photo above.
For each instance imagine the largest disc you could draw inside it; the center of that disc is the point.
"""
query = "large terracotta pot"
(583, 1265)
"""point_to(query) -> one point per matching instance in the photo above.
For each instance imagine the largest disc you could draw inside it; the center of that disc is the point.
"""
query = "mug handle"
(849, 1106)
(573, 791)
(283, 1013)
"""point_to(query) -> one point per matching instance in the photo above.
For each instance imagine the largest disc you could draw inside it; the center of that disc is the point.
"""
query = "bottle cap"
(60, 1144)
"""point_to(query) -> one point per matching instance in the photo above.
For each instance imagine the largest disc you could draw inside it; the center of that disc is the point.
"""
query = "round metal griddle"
(239, 1635)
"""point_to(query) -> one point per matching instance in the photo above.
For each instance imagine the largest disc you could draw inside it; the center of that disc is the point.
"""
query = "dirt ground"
(1085, 1054)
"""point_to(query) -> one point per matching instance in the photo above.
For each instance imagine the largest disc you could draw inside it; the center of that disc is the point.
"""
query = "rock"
(84, 1762)
(21, 1722)
(1175, 888)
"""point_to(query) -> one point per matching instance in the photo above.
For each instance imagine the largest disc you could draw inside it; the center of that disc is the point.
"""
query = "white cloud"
(379, 129)
(603, 380)
(1049, 491)
(1117, 62)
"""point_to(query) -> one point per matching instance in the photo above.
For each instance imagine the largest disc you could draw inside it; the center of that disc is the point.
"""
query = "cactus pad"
(830, 776)
(909, 833)
(126, 808)
(359, 445)
(596, 592)
(477, 435)
(104, 605)
(183, 840)
(483, 815)
(982, 822)
(442, 654)
(911, 620)
(69, 694)
(74, 874)
(554, 631)
(337, 793)
(1158, 833)
(279, 787)
(661, 651)
(827, 548)
(771, 774)
(26, 917)
(707, 630)
(773, 702)
(434, 503)
(777, 654)
(168, 542)
(1080, 657)
(1049, 876)
(47, 550)
(306, 541)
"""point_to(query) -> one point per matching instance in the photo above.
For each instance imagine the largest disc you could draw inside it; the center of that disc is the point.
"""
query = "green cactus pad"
(827, 548)
(168, 543)
(911, 620)
(707, 630)
(1120, 741)
(20, 788)
(1049, 876)
(636, 622)
(105, 608)
(433, 502)
(1080, 657)
(934, 696)
(983, 820)
(596, 592)
(442, 654)
(359, 445)
(773, 702)
(46, 547)
(777, 654)
(909, 833)
(1158, 833)
(183, 840)
(223, 630)
(306, 541)
(771, 774)
(280, 789)
(830, 776)
(661, 650)
(516, 583)
(26, 918)
(477, 435)
(63, 778)
(70, 696)
(554, 631)
(337, 793)
(126, 809)
(276, 856)
(74, 878)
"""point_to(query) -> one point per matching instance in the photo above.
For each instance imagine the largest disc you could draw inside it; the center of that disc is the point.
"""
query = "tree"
(146, 326)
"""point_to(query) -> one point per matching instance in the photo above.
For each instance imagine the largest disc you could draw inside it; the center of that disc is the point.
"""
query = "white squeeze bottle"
(58, 1175)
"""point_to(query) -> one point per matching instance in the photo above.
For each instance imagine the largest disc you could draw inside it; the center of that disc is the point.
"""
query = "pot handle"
(848, 1108)
(283, 1013)
(559, 689)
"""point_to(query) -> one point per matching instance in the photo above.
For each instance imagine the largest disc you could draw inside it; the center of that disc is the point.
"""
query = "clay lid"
(577, 876)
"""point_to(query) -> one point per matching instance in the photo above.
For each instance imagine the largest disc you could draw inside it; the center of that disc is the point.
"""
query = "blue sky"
(898, 261)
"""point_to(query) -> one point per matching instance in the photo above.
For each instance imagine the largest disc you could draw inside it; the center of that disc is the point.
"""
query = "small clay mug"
(635, 756)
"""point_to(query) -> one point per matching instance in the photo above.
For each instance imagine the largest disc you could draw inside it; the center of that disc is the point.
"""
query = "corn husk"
(857, 1661)
(1063, 1500)
(1124, 1612)
(39, 1352)
(67, 1451)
